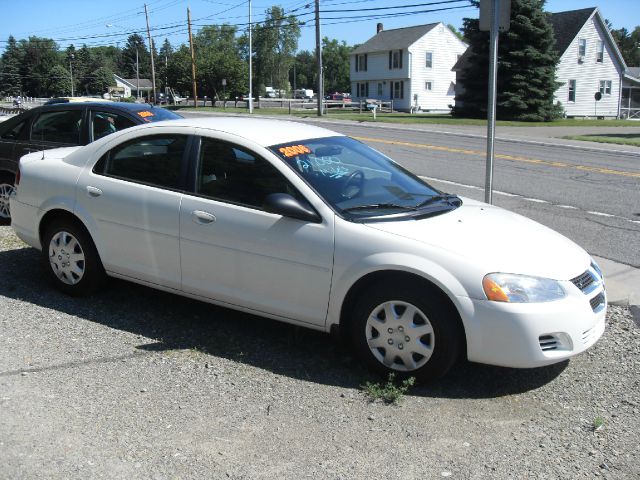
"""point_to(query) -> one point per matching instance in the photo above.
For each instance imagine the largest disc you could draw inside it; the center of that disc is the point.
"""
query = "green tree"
(335, 61)
(305, 71)
(127, 64)
(217, 59)
(162, 64)
(179, 70)
(629, 44)
(99, 81)
(39, 56)
(526, 67)
(10, 80)
(59, 81)
(275, 43)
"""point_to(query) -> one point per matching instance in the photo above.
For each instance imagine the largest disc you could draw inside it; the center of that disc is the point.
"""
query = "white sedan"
(307, 226)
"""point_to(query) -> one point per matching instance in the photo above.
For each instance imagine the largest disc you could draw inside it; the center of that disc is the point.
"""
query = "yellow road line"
(514, 158)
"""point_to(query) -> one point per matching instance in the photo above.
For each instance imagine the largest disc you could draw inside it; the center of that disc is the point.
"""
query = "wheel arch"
(396, 276)
(58, 214)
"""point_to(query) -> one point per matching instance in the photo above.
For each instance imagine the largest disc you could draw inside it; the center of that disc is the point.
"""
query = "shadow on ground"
(170, 322)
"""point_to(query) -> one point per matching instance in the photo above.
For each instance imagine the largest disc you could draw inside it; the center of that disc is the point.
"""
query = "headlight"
(506, 287)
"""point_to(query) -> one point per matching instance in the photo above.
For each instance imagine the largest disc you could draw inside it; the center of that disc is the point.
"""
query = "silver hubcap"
(5, 192)
(400, 336)
(66, 258)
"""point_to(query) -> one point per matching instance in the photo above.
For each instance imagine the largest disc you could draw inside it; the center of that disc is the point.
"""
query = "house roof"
(633, 72)
(566, 26)
(395, 39)
(145, 83)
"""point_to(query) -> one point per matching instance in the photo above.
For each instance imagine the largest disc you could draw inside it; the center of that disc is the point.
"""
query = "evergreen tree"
(526, 67)
(127, 65)
(10, 80)
(629, 44)
(38, 57)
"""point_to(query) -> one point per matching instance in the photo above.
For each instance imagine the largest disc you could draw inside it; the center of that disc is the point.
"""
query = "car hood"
(496, 240)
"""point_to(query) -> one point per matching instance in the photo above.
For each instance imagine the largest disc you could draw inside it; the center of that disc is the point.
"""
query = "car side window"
(14, 133)
(105, 123)
(233, 174)
(59, 127)
(153, 160)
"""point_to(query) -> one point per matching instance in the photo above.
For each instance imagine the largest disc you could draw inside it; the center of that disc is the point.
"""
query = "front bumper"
(527, 335)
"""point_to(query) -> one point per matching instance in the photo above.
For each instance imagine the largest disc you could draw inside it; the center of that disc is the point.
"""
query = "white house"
(411, 66)
(590, 63)
(133, 87)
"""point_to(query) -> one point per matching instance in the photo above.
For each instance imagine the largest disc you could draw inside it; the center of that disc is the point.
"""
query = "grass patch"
(390, 392)
(406, 118)
(618, 139)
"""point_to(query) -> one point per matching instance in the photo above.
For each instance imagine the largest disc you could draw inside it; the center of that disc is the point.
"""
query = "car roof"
(263, 131)
(131, 107)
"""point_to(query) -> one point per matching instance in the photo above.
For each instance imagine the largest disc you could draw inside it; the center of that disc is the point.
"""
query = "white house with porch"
(410, 66)
(135, 87)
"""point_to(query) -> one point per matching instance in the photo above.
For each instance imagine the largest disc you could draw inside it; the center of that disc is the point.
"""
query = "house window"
(605, 87)
(362, 89)
(572, 91)
(429, 60)
(379, 90)
(600, 52)
(395, 59)
(361, 63)
(428, 85)
(397, 89)
(582, 47)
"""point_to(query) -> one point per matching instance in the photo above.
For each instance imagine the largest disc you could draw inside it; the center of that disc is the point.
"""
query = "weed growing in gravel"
(598, 423)
(389, 393)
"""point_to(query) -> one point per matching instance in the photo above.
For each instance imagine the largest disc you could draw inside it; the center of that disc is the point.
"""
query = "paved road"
(591, 195)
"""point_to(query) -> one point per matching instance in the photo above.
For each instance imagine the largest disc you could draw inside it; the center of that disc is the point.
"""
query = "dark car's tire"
(7, 182)
(407, 330)
(70, 258)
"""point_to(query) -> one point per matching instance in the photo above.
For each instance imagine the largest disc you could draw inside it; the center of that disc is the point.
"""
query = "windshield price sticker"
(145, 114)
(294, 150)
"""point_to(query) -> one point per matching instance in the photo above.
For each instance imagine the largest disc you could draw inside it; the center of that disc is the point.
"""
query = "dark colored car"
(64, 125)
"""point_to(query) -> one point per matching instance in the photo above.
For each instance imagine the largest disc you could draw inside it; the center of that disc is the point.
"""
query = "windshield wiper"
(436, 198)
(377, 206)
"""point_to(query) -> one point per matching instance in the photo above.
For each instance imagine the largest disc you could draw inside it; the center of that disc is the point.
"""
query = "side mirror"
(287, 206)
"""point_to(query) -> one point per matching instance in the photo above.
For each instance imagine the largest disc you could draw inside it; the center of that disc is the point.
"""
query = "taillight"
(17, 180)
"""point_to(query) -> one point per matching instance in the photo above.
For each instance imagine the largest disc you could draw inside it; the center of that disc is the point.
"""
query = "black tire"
(70, 258)
(423, 343)
(7, 184)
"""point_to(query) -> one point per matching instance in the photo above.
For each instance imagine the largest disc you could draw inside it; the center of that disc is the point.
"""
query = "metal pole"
(491, 110)
(71, 70)
(193, 61)
(250, 62)
(319, 59)
(137, 75)
(153, 68)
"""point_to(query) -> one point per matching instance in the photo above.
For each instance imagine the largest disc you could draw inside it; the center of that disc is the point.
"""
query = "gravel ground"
(134, 383)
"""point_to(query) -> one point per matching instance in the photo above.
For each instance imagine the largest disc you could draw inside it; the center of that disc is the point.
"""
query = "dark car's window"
(154, 160)
(104, 123)
(154, 114)
(14, 133)
(62, 126)
(230, 173)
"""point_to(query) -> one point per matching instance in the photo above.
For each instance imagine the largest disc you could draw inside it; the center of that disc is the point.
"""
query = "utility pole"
(153, 68)
(193, 61)
(71, 70)
(319, 59)
(250, 63)
(137, 76)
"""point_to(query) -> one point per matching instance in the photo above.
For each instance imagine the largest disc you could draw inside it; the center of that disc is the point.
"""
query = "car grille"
(583, 281)
(548, 342)
(597, 301)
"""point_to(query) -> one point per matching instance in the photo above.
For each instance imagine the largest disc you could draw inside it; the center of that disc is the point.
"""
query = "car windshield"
(360, 182)
(154, 114)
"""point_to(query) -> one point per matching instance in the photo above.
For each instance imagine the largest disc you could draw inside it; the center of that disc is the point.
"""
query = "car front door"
(235, 252)
(132, 195)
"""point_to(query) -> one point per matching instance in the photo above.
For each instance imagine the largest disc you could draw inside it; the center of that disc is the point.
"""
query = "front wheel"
(406, 330)
(71, 259)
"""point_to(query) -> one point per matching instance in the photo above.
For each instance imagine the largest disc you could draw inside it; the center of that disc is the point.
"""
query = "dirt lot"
(134, 383)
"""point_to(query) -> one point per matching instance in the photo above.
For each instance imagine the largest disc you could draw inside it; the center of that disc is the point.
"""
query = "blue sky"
(85, 21)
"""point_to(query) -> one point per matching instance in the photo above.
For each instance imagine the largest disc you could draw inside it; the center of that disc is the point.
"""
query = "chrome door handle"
(202, 218)
(93, 191)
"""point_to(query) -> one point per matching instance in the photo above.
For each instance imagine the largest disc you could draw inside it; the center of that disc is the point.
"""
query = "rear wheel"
(6, 189)
(407, 330)
(71, 258)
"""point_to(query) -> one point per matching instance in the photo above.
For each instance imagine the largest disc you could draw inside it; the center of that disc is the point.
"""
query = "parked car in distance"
(64, 124)
(303, 93)
(307, 226)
